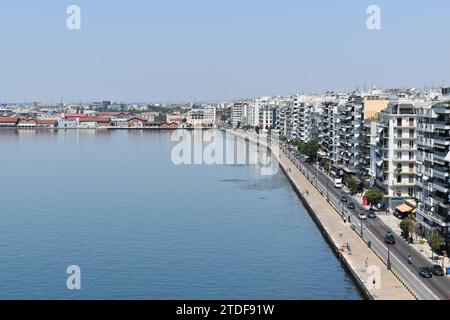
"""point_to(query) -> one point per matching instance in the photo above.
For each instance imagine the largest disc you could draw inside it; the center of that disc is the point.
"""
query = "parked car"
(390, 239)
(372, 214)
(344, 199)
(351, 205)
(425, 272)
(438, 271)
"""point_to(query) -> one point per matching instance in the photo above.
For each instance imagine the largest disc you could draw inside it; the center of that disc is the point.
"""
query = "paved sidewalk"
(341, 234)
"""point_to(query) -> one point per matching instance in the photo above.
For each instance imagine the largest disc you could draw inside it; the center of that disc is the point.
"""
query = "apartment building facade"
(396, 148)
(433, 169)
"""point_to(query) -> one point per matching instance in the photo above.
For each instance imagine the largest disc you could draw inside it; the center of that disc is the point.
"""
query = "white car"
(362, 215)
(338, 183)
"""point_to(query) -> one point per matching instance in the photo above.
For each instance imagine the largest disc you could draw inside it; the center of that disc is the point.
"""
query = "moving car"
(425, 272)
(362, 215)
(338, 183)
(351, 205)
(344, 199)
(390, 239)
(437, 270)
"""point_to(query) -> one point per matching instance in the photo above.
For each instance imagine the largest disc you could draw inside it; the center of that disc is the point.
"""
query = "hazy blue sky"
(153, 50)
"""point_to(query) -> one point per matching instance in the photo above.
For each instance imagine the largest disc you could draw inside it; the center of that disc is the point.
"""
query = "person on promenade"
(366, 262)
(340, 233)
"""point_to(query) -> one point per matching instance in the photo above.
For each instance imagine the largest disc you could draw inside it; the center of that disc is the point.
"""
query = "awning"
(447, 158)
(404, 208)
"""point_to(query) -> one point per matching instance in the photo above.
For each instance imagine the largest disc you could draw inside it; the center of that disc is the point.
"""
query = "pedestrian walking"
(340, 233)
(366, 262)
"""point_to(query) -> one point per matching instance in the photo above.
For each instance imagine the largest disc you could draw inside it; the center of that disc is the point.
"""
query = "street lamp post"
(389, 257)
(328, 196)
(317, 172)
(361, 220)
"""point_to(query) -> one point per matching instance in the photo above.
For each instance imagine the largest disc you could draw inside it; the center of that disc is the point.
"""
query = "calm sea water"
(140, 227)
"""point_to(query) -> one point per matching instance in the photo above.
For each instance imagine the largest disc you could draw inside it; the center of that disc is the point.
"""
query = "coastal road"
(375, 231)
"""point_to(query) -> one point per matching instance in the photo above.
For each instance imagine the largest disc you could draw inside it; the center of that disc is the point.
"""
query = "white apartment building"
(267, 117)
(396, 148)
(433, 168)
(238, 114)
(252, 118)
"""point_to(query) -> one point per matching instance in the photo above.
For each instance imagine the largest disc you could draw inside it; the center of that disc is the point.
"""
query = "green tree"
(309, 149)
(436, 242)
(374, 196)
(407, 226)
(324, 164)
(353, 184)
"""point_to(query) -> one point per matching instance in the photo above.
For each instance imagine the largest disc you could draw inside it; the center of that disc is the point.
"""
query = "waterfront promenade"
(340, 234)
(353, 251)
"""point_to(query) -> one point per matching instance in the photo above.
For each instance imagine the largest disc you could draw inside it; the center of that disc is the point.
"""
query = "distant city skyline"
(172, 50)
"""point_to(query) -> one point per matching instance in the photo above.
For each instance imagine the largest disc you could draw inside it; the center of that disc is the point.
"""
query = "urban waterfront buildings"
(395, 140)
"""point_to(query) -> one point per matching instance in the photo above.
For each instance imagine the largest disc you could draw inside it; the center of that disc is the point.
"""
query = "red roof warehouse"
(8, 121)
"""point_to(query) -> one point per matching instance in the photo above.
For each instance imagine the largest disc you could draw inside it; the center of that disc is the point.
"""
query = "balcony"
(442, 140)
(441, 187)
(442, 125)
(404, 160)
(405, 148)
(405, 126)
(436, 218)
(441, 173)
(441, 198)
(404, 184)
